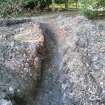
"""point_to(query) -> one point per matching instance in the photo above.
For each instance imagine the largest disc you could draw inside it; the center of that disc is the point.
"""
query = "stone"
(5, 102)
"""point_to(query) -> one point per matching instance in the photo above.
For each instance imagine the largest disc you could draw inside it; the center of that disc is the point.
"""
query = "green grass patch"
(62, 6)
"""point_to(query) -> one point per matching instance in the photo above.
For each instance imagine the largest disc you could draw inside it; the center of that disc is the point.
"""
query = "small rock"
(5, 102)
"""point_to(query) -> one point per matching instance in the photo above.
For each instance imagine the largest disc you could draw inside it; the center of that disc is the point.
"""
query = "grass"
(62, 6)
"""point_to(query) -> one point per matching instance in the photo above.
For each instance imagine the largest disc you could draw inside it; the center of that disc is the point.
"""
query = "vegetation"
(92, 8)
(19, 7)
(24, 7)
(62, 5)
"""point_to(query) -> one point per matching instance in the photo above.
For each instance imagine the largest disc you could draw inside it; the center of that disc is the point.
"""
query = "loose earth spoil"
(55, 61)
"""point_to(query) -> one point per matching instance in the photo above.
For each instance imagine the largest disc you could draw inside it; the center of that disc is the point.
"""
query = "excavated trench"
(72, 64)
(49, 90)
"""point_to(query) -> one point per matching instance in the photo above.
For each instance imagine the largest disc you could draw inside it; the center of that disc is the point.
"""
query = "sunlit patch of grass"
(62, 6)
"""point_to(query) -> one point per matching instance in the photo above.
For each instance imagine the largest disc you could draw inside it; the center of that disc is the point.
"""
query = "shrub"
(38, 4)
(59, 1)
(15, 7)
(92, 8)
(8, 7)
